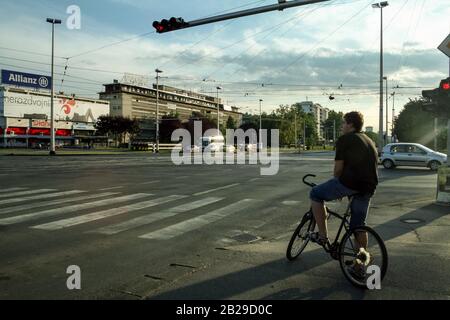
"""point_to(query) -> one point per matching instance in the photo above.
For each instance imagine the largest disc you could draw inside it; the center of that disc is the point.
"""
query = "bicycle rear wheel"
(300, 237)
(359, 265)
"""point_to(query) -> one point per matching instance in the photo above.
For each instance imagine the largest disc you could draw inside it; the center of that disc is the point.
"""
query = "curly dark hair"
(356, 118)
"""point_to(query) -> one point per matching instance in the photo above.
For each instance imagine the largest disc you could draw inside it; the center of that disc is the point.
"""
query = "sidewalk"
(419, 264)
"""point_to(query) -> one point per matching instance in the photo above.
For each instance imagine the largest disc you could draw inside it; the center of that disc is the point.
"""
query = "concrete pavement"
(141, 227)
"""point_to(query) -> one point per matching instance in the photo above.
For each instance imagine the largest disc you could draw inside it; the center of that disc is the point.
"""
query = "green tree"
(415, 125)
(334, 121)
(231, 124)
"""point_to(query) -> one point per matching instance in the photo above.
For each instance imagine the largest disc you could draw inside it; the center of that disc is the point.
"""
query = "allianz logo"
(42, 81)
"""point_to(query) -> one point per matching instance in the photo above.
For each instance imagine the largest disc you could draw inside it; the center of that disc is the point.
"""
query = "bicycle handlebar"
(311, 184)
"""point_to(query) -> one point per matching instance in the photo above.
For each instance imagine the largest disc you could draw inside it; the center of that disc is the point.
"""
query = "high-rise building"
(320, 115)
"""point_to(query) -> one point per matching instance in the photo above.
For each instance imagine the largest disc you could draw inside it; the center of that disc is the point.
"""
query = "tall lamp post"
(157, 109)
(218, 112)
(387, 111)
(52, 116)
(381, 5)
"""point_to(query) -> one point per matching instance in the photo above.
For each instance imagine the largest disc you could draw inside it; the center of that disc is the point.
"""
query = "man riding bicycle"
(355, 174)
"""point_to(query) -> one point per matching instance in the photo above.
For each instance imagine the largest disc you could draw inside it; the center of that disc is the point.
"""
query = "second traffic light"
(169, 25)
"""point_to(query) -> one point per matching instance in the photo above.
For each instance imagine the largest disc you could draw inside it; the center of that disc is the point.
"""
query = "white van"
(215, 143)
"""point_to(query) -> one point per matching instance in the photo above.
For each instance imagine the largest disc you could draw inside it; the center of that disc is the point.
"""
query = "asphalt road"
(142, 227)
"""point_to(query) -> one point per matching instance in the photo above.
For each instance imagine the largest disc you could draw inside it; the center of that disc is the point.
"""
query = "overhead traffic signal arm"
(178, 23)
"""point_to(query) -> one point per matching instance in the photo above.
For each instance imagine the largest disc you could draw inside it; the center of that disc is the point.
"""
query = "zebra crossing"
(52, 210)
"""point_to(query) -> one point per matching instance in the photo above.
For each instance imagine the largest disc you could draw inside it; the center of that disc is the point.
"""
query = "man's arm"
(338, 168)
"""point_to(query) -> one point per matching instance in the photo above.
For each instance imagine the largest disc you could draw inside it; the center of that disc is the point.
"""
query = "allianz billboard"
(29, 80)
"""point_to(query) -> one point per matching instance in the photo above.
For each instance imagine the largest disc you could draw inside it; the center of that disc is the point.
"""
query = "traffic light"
(438, 100)
(169, 25)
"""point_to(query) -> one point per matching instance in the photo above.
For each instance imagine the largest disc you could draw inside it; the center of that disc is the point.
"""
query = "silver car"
(411, 154)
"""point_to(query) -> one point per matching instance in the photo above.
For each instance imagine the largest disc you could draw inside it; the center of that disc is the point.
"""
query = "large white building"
(320, 114)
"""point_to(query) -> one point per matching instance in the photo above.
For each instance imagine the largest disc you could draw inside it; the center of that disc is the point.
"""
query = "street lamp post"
(260, 124)
(381, 5)
(157, 109)
(393, 114)
(387, 112)
(52, 116)
(218, 112)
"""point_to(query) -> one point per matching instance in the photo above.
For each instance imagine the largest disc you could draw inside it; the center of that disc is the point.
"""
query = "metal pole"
(393, 113)
(435, 133)
(334, 131)
(387, 112)
(157, 111)
(52, 119)
(448, 142)
(295, 128)
(249, 12)
(218, 114)
(380, 130)
(260, 121)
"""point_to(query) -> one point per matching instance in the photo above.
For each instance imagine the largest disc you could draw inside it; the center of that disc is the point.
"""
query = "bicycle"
(374, 253)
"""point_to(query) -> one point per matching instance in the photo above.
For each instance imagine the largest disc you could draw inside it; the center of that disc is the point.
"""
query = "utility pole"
(295, 128)
(260, 125)
(157, 109)
(393, 113)
(218, 112)
(387, 113)
(334, 131)
(381, 5)
(435, 133)
(52, 107)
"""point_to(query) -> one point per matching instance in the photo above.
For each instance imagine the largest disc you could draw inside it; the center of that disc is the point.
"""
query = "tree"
(334, 121)
(117, 126)
(415, 125)
(231, 124)
(373, 136)
(169, 123)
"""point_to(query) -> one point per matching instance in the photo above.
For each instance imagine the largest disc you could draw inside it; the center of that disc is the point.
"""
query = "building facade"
(140, 102)
(320, 115)
(25, 118)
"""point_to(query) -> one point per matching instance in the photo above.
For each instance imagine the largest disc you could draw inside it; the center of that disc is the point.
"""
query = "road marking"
(217, 189)
(147, 219)
(65, 223)
(198, 222)
(12, 189)
(254, 179)
(42, 196)
(24, 193)
(150, 182)
(293, 203)
(112, 188)
(69, 209)
(55, 202)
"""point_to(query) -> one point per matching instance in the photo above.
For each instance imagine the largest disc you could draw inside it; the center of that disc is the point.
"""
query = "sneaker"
(357, 272)
(321, 241)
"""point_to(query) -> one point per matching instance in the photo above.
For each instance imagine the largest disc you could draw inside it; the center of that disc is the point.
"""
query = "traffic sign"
(445, 46)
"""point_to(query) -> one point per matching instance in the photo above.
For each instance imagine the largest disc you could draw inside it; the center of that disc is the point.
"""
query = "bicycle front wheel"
(363, 257)
(300, 237)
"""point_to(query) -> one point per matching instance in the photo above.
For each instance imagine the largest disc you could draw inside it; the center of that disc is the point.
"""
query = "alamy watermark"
(74, 280)
(212, 152)
(74, 20)
(374, 280)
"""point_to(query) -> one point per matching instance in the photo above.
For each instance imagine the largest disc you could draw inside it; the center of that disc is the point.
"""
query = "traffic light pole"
(282, 4)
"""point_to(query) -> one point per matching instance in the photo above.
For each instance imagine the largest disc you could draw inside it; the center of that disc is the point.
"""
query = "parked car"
(192, 149)
(229, 148)
(411, 154)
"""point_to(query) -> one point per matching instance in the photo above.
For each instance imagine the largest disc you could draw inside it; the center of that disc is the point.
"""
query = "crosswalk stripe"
(65, 223)
(147, 219)
(22, 193)
(195, 223)
(55, 202)
(41, 196)
(69, 209)
(216, 189)
(11, 189)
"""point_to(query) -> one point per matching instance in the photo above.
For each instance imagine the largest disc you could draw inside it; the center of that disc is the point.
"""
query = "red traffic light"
(169, 25)
(446, 86)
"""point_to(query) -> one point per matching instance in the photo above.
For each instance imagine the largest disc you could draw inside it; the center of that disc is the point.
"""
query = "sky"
(283, 57)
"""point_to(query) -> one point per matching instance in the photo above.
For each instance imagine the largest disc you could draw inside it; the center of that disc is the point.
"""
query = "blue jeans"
(333, 189)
